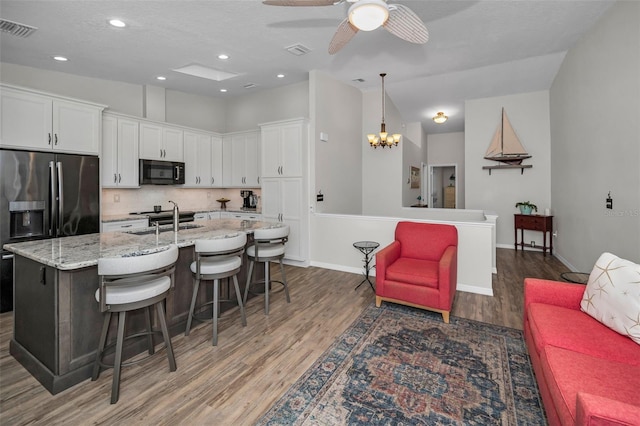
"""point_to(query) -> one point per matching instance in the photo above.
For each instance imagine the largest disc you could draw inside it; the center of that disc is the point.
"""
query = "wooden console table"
(533, 222)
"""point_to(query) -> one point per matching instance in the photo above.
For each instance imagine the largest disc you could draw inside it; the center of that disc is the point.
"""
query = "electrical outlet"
(116, 198)
(209, 194)
(533, 243)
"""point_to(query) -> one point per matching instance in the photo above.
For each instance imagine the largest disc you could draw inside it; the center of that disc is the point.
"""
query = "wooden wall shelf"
(508, 166)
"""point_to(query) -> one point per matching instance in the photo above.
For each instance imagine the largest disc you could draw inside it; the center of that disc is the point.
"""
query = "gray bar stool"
(127, 284)
(269, 246)
(216, 259)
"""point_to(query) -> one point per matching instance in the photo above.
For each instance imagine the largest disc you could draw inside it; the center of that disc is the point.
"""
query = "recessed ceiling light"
(223, 56)
(280, 76)
(223, 90)
(117, 23)
(60, 58)
(161, 77)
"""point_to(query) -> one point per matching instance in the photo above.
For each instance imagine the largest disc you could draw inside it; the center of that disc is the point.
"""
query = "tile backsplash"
(123, 201)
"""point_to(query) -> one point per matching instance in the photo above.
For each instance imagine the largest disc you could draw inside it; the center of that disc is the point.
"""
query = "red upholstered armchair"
(419, 268)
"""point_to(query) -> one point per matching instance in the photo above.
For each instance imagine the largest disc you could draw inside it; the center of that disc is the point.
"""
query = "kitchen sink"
(165, 228)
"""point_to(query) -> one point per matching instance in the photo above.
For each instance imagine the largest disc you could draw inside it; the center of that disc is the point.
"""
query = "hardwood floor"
(237, 381)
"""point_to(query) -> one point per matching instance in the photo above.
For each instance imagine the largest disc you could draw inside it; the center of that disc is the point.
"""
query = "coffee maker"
(250, 201)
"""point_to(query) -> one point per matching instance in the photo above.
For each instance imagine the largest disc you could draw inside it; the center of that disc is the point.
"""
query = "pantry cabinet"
(30, 120)
(158, 142)
(283, 201)
(282, 146)
(119, 167)
(240, 151)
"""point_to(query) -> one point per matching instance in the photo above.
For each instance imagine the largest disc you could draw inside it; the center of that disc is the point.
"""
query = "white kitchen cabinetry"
(240, 152)
(197, 159)
(282, 145)
(201, 216)
(216, 162)
(45, 123)
(158, 142)
(282, 201)
(240, 215)
(119, 152)
(124, 225)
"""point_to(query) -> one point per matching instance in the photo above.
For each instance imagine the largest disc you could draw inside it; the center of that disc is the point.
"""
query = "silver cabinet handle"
(49, 138)
(212, 180)
(119, 178)
(56, 139)
(126, 226)
(115, 178)
(7, 256)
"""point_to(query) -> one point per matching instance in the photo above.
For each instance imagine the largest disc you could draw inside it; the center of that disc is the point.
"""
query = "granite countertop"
(127, 216)
(76, 252)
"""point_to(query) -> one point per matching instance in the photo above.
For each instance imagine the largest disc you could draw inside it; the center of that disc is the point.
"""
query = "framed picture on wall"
(414, 178)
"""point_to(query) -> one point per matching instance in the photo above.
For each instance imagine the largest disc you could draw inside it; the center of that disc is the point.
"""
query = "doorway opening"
(442, 189)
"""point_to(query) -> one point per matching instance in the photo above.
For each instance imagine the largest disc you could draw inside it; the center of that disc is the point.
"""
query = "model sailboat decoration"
(506, 148)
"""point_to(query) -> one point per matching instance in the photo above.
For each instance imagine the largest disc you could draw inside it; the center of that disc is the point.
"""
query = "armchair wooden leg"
(445, 317)
(378, 301)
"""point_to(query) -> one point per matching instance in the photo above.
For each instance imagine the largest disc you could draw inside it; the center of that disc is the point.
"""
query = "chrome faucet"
(176, 216)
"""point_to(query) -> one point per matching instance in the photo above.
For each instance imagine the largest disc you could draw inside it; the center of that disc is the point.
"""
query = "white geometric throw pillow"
(612, 295)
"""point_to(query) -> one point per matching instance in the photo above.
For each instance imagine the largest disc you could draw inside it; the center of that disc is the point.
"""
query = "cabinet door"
(128, 154)
(193, 146)
(270, 141)
(216, 161)
(291, 150)
(238, 161)
(251, 167)
(25, 120)
(172, 144)
(291, 208)
(109, 157)
(151, 142)
(271, 199)
(76, 128)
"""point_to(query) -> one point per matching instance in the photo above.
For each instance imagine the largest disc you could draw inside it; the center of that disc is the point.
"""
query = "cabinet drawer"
(534, 223)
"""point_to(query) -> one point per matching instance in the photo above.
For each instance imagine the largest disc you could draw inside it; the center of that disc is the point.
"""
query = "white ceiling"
(476, 49)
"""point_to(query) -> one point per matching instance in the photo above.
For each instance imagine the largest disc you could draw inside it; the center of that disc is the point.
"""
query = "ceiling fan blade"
(404, 23)
(344, 33)
(300, 2)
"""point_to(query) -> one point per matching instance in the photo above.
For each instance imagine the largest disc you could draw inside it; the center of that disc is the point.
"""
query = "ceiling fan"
(367, 15)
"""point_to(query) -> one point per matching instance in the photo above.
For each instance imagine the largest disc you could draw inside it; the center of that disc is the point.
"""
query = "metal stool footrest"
(112, 345)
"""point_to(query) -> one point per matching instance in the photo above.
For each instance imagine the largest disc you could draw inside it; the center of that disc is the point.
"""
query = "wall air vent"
(358, 80)
(16, 29)
(298, 49)
(249, 85)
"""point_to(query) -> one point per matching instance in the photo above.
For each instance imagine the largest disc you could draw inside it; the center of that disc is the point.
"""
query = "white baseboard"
(461, 287)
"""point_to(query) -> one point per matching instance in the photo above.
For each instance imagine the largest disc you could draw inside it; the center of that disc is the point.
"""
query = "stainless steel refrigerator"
(44, 195)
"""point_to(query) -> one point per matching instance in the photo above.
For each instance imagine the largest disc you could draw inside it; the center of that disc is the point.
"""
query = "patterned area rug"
(402, 366)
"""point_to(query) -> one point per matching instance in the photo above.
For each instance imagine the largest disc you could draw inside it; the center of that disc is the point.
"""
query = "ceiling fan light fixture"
(440, 118)
(367, 15)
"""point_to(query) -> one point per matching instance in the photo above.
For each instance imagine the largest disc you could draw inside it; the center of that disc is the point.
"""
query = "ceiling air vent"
(249, 85)
(358, 80)
(298, 49)
(16, 29)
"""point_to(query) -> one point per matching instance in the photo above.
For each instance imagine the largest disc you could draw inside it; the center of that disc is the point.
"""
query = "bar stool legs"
(267, 281)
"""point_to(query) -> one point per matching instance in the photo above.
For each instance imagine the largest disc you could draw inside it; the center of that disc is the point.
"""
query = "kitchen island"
(57, 320)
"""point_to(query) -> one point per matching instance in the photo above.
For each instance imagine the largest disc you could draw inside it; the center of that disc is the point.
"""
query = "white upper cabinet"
(197, 159)
(216, 161)
(282, 148)
(120, 166)
(241, 163)
(158, 142)
(30, 120)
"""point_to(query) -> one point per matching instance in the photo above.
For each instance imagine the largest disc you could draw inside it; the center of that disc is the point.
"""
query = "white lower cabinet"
(282, 201)
(124, 225)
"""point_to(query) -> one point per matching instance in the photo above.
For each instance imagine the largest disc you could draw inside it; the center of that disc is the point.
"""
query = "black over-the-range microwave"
(153, 172)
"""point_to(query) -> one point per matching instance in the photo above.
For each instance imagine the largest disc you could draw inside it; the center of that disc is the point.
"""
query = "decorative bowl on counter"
(223, 202)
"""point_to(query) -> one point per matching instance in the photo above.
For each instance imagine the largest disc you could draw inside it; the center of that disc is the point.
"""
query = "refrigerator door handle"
(60, 198)
(53, 208)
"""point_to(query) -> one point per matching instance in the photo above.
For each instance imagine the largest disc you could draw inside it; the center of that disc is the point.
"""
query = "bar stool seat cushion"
(266, 250)
(217, 266)
(118, 295)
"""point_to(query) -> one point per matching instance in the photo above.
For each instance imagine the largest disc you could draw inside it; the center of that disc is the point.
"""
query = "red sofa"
(587, 373)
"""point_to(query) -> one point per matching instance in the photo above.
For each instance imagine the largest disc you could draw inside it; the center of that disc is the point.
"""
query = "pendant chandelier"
(383, 139)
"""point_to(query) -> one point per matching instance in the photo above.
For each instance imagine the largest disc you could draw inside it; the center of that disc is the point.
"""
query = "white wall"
(411, 157)
(247, 111)
(332, 238)
(595, 131)
(500, 191)
(120, 97)
(336, 165)
(201, 112)
(448, 148)
(381, 167)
